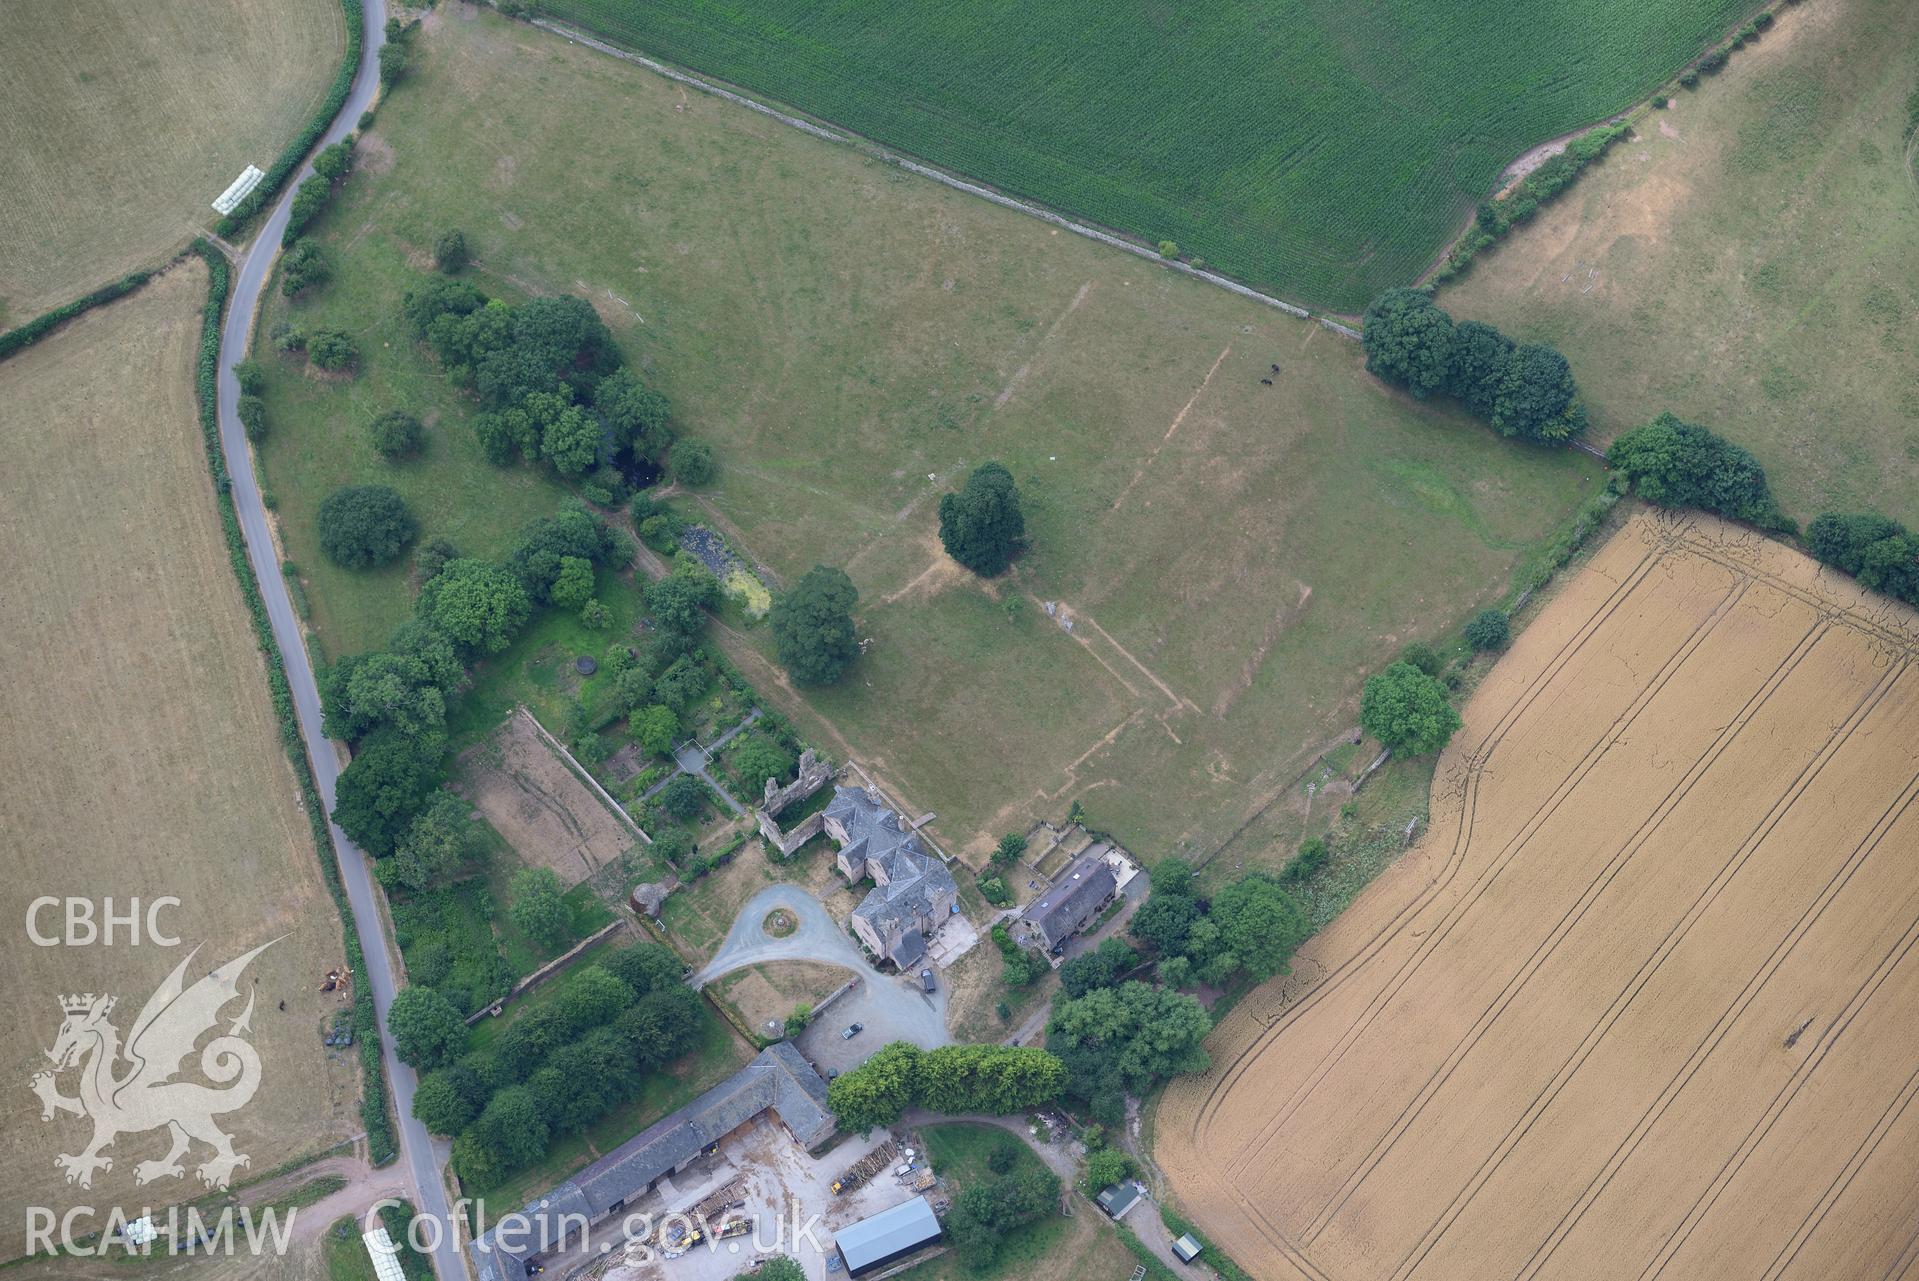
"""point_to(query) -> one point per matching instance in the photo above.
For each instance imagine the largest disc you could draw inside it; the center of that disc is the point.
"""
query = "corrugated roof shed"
(1118, 1199)
(887, 1235)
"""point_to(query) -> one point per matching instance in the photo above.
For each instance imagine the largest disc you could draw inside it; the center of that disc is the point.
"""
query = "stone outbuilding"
(1080, 894)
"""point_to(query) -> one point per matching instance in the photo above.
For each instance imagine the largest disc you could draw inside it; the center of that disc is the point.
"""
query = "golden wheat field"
(1644, 1002)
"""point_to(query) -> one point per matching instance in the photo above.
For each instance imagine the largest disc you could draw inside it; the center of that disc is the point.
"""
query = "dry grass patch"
(1641, 1003)
(141, 749)
(121, 123)
(1750, 260)
(538, 804)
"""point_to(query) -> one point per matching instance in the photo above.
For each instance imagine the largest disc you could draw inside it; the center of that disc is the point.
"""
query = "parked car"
(926, 980)
(852, 1030)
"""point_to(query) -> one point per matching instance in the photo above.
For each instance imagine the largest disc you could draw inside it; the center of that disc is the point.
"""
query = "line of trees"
(953, 1079)
(556, 1068)
(1525, 390)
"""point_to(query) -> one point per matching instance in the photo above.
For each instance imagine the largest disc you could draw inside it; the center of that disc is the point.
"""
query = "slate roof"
(778, 1079)
(886, 1234)
(912, 895)
(915, 881)
(1073, 900)
(873, 830)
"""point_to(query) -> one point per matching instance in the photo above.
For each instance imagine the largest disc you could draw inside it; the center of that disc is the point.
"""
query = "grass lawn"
(1230, 557)
(1320, 149)
(959, 1153)
(719, 1053)
(1751, 262)
(346, 1256)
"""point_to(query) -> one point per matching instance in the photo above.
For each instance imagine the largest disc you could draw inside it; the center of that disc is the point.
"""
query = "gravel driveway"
(890, 1007)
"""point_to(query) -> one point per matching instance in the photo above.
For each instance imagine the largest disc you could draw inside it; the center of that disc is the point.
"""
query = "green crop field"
(1231, 557)
(1321, 149)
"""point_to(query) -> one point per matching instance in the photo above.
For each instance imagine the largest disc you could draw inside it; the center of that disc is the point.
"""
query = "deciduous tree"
(1407, 710)
(426, 1030)
(982, 526)
(1409, 340)
(363, 526)
(537, 909)
(477, 605)
(813, 626)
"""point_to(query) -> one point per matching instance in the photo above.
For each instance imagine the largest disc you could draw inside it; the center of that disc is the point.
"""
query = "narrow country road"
(421, 1155)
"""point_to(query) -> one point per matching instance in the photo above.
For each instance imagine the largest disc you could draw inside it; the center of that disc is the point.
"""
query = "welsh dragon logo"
(129, 1090)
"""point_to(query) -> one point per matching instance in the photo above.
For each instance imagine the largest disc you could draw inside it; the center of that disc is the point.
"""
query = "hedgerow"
(1540, 187)
(289, 160)
(373, 1104)
(18, 340)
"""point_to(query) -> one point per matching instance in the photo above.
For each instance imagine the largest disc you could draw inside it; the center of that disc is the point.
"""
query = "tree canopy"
(478, 605)
(427, 1031)
(1882, 554)
(1000, 1079)
(388, 782)
(1680, 464)
(982, 527)
(1407, 710)
(636, 416)
(537, 908)
(1260, 923)
(364, 526)
(1489, 629)
(813, 626)
(395, 435)
(679, 601)
(437, 843)
(1116, 1041)
(1409, 340)
(1526, 391)
(1538, 399)
(1479, 358)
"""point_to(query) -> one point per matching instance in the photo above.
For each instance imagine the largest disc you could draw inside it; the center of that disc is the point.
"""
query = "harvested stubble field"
(1750, 260)
(852, 339)
(121, 122)
(141, 751)
(1642, 1003)
(1321, 149)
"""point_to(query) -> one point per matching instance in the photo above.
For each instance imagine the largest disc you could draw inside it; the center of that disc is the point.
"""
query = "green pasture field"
(121, 122)
(1321, 149)
(1231, 557)
(1751, 262)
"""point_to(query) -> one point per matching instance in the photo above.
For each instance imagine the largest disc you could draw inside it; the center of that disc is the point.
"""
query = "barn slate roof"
(778, 1079)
